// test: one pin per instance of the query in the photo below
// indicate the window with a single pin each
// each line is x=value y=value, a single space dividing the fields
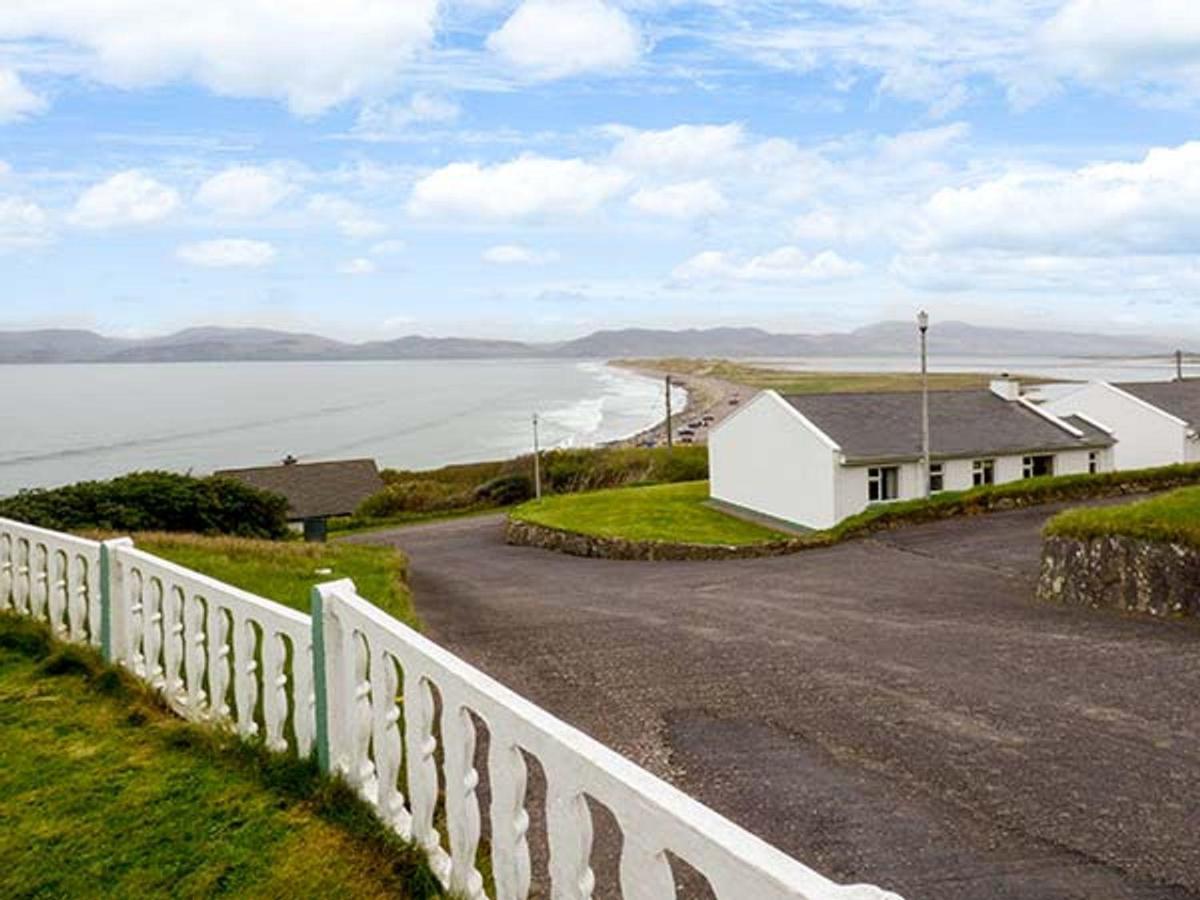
x=937 y=478
x=983 y=471
x=1093 y=462
x=1037 y=466
x=883 y=483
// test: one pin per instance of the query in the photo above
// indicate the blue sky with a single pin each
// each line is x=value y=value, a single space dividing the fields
x=541 y=168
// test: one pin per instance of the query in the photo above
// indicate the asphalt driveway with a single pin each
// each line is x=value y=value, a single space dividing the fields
x=895 y=710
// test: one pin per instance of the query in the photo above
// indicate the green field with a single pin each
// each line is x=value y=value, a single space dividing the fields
x=801 y=382
x=286 y=571
x=666 y=512
x=103 y=793
x=1173 y=517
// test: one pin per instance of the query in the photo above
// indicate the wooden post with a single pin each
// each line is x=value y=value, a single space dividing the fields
x=670 y=433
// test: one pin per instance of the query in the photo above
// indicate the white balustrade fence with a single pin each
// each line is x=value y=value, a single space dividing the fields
x=398 y=717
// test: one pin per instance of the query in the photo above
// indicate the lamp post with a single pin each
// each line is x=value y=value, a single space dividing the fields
x=537 y=461
x=923 y=325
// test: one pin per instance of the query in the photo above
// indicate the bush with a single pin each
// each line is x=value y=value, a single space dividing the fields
x=505 y=490
x=414 y=497
x=154 y=501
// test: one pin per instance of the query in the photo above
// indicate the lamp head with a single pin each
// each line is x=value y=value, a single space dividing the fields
x=923 y=320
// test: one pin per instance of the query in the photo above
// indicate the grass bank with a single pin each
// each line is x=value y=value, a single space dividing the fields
x=677 y=514
x=104 y=793
x=671 y=512
x=1173 y=517
x=802 y=382
x=286 y=571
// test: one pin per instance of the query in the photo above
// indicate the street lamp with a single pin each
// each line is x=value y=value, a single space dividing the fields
x=923 y=325
x=537 y=461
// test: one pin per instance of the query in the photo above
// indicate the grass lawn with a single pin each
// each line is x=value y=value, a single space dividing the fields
x=801 y=382
x=1171 y=517
x=666 y=512
x=286 y=571
x=103 y=793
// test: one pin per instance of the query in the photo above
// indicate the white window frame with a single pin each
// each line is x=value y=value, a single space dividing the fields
x=1027 y=465
x=878 y=481
x=983 y=472
x=937 y=470
x=1093 y=462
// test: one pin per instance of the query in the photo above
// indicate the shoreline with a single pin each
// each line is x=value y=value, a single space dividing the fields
x=704 y=396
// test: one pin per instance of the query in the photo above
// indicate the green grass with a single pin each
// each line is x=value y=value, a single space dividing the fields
x=802 y=382
x=667 y=512
x=1173 y=517
x=286 y=571
x=677 y=513
x=104 y=793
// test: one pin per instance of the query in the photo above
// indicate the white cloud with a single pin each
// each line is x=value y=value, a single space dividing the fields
x=785 y=264
x=227 y=253
x=516 y=254
x=1113 y=41
x=244 y=191
x=1148 y=206
x=557 y=38
x=359 y=266
x=22 y=223
x=349 y=218
x=127 y=198
x=383 y=121
x=682 y=148
x=310 y=53
x=685 y=200
x=16 y=100
x=908 y=146
x=529 y=186
x=388 y=248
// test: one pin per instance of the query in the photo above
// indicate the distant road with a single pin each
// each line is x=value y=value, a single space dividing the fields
x=894 y=710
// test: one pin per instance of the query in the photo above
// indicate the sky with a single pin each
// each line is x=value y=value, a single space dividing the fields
x=543 y=168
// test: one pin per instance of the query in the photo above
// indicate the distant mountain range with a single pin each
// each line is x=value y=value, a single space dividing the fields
x=211 y=344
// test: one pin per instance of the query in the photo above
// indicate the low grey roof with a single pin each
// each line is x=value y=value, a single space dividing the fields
x=887 y=426
x=1179 y=398
x=315 y=490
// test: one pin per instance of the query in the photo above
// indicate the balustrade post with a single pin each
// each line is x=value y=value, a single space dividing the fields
x=114 y=629
x=333 y=677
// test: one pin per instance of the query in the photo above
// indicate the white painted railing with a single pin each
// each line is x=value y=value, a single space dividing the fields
x=398 y=717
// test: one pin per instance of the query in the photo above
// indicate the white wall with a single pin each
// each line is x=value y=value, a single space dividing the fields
x=1145 y=435
x=765 y=458
x=958 y=476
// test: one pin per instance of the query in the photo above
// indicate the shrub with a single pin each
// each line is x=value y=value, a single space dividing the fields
x=414 y=496
x=505 y=490
x=154 y=501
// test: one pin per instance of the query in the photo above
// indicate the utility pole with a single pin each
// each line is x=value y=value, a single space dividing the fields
x=537 y=461
x=1179 y=365
x=923 y=325
x=670 y=435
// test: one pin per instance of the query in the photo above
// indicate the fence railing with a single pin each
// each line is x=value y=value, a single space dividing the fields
x=398 y=717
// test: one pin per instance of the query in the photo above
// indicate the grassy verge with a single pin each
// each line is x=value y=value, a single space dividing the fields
x=669 y=512
x=675 y=513
x=286 y=571
x=344 y=526
x=104 y=793
x=1173 y=517
x=802 y=382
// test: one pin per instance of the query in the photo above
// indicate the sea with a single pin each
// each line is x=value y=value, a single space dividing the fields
x=66 y=423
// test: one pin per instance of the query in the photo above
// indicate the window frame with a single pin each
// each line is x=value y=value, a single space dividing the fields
x=937 y=471
x=983 y=472
x=881 y=479
x=1093 y=462
x=1029 y=465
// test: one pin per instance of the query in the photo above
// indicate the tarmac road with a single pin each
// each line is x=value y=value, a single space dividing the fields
x=895 y=710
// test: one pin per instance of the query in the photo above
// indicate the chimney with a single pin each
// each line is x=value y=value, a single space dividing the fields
x=1006 y=388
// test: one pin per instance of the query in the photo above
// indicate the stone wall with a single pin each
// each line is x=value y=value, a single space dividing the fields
x=1114 y=572
x=526 y=534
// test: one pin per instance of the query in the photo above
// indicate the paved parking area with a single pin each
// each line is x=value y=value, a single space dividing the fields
x=895 y=710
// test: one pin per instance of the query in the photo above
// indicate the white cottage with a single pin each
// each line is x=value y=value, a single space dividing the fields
x=815 y=459
x=1155 y=421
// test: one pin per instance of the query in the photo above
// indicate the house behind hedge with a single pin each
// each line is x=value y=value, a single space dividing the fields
x=315 y=491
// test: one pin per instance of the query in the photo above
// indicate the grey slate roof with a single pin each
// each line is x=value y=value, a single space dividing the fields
x=1179 y=398
x=887 y=426
x=315 y=490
